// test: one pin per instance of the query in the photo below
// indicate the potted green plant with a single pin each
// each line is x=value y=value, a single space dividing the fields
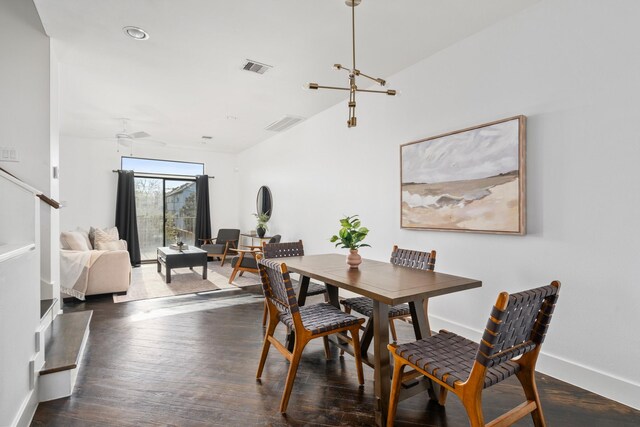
x=261 y=226
x=350 y=236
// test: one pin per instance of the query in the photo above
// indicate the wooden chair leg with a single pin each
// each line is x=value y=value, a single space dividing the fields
x=528 y=381
x=473 y=405
x=398 y=368
x=327 y=349
x=273 y=322
x=346 y=310
x=442 y=398
x=392 y=326
x=241 y=273
x=265 y=312
x=233 y=274
x=355 y=338
x=291 y=375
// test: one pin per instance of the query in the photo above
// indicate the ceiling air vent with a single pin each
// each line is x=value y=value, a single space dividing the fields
x=256 y=67
x=284 y=123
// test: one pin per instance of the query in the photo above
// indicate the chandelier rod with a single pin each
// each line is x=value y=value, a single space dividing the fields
x=353 y=32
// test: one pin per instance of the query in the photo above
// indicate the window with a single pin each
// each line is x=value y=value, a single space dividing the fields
x=165 y=202
x=161 y=167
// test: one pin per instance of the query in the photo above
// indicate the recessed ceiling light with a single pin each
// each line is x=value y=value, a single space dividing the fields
x=136 y=33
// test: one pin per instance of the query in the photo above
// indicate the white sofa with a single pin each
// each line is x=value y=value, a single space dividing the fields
x=107 y=271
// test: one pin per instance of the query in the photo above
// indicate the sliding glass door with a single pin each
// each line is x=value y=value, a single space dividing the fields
x=150 y=213
x=180 y=211
x=166 y=211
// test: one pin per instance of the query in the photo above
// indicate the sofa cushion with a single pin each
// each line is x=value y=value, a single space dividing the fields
x=112 y=245
x=73 y=240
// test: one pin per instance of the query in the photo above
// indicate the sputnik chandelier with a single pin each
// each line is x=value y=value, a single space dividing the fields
x=353 y=72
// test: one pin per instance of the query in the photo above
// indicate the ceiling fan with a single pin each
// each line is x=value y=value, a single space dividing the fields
x=126 y=139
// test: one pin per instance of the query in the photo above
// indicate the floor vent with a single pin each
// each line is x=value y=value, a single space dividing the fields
x=256 y=67
x=284 y=123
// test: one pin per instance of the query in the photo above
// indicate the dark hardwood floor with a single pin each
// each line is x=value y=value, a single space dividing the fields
x=191 y=361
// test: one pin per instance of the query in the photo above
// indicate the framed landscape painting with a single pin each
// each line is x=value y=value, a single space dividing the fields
x=470 y=180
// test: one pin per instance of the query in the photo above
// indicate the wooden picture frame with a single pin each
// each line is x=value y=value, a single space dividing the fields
x=470 y=180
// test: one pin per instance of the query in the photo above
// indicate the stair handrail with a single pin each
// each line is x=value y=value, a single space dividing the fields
x=39 y=194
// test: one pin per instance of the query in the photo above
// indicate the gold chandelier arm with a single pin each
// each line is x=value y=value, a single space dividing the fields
x=381 y=82
x=389 y=92
x=342 y=67
x=317 y=86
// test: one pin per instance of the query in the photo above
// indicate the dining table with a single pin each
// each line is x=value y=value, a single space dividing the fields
x=387 y=285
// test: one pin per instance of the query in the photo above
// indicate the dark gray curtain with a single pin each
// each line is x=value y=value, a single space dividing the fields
x=203 y=215
x=126 y=220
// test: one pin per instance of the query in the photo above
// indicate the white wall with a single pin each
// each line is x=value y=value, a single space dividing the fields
x=24 y=125
x=50 y=275
x=88 y=185
x=572 y=67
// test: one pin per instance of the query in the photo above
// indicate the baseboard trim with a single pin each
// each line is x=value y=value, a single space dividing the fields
x=27 y=410
x=607 y=385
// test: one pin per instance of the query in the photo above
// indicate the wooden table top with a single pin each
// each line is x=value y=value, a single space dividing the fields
x=382 y=281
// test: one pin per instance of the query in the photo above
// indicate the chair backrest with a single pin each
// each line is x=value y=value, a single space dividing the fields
x=226 y=234
x=517 y=325
x=275 y=239
x=277 y=286
x=283 y=250
x=413 y=259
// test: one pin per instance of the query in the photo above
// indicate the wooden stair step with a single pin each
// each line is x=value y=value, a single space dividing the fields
x=64 y=341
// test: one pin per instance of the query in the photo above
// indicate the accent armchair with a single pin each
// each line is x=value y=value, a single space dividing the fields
x=246 y=259
x=219 y=247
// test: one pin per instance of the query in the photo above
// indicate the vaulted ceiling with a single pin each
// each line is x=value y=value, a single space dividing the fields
x=187 y=81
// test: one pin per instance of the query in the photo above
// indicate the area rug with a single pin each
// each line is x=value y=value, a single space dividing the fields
x=147 y=283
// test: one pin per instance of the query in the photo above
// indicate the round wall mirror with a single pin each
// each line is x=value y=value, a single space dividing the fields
x=264 y=203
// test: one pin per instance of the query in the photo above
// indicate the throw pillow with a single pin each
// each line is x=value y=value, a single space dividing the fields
x=113 y=232
x=73 y=240
x=85 y=235
x=108 y=235
x=114 y=245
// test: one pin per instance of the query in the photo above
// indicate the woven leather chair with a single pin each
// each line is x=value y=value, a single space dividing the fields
x=309 y=322
x=402 y=257
x=287 y=249
x=246 y=258
x=219 y=246
x=516 y=327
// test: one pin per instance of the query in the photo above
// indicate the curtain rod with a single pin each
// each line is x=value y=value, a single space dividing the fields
x=159 y=175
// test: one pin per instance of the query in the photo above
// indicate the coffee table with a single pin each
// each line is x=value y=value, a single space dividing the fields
x=172 y=258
